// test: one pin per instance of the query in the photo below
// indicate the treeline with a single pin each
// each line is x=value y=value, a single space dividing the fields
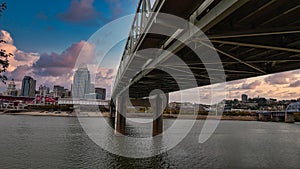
x=201 y=112
x=297 y=117
x=66 y=108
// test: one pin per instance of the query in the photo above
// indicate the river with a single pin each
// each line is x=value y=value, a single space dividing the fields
x=60 y=142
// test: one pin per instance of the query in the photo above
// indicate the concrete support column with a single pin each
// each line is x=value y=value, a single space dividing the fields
x=158 y=116
x=112 y=109
x=167 y=100
x=120 y=122
x=289 y=117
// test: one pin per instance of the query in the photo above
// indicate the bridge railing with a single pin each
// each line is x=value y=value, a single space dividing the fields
x=141 y=19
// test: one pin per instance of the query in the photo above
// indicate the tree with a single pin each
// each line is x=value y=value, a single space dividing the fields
x=4 y=63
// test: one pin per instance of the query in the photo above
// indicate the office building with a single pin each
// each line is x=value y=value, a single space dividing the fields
x=43 y=90
x=81 y=82
x=28 y=87
x=244 y=98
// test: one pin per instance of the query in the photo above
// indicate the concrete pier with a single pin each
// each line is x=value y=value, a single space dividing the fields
x=157 y=116
x=264 y=116
x=112 y=109
x=276 y=116
x=120 y=122
x=289 y=117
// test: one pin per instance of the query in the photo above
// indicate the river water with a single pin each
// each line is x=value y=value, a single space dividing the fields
x=60 y=142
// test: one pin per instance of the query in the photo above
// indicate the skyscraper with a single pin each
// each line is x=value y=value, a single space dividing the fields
x=81 y=82
x=28 y=86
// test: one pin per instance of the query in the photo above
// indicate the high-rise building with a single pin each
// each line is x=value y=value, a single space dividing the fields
x=100 y=93
x=92 y=88
x=11 y=89
x=81 y=82
x=28 y=86
x=58 y=91
x=43 y=90
x=244 y=98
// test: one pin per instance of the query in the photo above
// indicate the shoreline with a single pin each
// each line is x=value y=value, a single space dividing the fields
x=136 y=115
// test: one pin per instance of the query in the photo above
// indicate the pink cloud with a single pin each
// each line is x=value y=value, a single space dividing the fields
x=80 y=11
x=8 y=45
x=50 y=69
x=26 y=57
x=295 y=84
x=104 y=78
x=281 y=78
x=20 y=72
x=19 y=57
x=251 y=85
x=57 y=64
x=4 y=35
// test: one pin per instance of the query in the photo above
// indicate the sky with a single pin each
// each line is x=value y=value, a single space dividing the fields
x=46 y=37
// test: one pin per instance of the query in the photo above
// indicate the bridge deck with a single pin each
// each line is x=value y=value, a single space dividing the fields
x=251 y=37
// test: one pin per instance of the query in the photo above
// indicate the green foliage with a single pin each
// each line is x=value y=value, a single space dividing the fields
x=203 y=113
x=237 y=113
x=2 y=8
x=297 y=117
x=4 y=63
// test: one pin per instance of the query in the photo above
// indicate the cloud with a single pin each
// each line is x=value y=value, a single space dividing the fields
x=295 y=84
x=293 y=94
x=235 y=82
x=251 y=85
x=50 y=69
x=26 y=57
x=19 y=57
x=8 y=46
x=104 y=78
x=80 y=11
x=58 y=64
x=4 y=35
x=281 y=78
x=19 y=73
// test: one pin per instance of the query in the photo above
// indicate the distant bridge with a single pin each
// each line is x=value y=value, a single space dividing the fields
x=276 y=116
x=74 y=101
x=252 y=38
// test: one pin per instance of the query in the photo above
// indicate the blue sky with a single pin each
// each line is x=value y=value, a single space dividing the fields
x=39 y=25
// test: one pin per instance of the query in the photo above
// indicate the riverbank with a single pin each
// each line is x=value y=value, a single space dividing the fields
x=59 y=114
x=133 y=115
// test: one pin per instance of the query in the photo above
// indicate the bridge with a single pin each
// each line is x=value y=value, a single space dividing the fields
x=275 y=116
x=77 y=101
x=251 y=38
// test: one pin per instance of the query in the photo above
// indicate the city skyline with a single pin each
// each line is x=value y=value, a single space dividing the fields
x=149 y=84
x=39 y=54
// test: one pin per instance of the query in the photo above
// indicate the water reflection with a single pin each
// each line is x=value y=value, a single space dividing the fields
x=49 y=142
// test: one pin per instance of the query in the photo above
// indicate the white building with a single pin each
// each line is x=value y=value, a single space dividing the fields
x=11 y=89
x=81 y=82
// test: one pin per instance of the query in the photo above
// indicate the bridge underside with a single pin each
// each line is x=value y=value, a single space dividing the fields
x=253 y=38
